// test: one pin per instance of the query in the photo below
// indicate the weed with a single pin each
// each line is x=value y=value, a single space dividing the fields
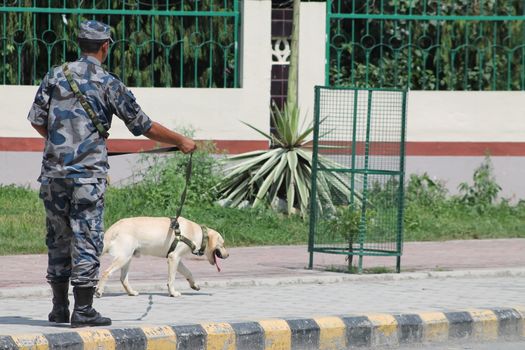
x=484 y=191
x=354 y=269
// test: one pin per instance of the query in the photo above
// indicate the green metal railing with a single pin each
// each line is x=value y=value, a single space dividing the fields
x=426 y=44
x=165 y=43
x=363 y=131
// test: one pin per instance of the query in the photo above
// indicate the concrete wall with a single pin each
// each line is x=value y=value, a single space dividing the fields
x=475 y=116
x=311 y=54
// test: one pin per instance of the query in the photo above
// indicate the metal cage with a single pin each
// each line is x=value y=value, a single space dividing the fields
x=357 y=191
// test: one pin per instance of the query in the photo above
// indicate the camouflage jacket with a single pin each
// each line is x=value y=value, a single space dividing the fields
x=74 y=148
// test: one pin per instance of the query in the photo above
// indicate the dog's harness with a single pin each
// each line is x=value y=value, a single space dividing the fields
x=180 y=238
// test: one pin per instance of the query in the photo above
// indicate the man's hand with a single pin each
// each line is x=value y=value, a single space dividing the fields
x=162 y=134
x=187 y=145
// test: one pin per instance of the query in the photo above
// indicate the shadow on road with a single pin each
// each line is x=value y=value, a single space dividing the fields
x=30 y=322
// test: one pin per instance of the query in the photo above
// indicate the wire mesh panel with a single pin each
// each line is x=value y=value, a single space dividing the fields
x=358 y=172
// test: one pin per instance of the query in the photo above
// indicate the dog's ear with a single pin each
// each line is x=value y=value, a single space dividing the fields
x=213 y=239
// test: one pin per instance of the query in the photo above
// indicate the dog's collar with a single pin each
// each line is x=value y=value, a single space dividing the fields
x=204 y=240
x=179 y=237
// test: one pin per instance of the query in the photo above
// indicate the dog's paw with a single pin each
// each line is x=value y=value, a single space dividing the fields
x=133 y=293
x=193 y=285
x=175 y=294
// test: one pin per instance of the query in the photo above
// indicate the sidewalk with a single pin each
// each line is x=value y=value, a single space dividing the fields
x=258 y=283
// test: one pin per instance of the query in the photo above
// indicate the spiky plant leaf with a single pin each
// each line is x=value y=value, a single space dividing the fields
x=268 y=136
x=284 y=171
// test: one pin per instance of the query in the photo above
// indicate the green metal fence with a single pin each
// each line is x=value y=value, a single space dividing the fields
x=363 y=131
x=166 y=43
x=426 y=44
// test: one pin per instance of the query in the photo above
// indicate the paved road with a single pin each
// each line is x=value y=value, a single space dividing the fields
x=289 y=262
x=271 y=282
x=248 y=303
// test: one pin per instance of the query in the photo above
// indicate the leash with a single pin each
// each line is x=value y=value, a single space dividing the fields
x=174 y=225
x=183 y=195
x=155 y=150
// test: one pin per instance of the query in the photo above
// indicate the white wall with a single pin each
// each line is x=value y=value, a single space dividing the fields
x=473 y=116
x=311 y=54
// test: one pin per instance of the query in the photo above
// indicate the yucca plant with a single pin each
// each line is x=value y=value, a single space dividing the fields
x=283 y=172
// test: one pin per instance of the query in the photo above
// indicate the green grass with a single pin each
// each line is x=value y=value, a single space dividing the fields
x=22 y=222
x=451 y=220
x=240 y=227
x=430 y=213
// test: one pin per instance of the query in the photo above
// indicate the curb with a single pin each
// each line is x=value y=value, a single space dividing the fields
x=338 y=333
x=324 y=278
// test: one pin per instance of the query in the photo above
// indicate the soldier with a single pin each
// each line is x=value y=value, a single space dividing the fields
x=72 y=110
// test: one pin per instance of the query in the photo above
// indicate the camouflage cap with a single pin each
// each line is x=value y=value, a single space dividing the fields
x=94 y=30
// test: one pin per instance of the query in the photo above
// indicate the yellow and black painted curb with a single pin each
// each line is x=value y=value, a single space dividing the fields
x=341 y=332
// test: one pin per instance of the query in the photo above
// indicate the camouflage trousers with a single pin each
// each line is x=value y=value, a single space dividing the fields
x=75 y=228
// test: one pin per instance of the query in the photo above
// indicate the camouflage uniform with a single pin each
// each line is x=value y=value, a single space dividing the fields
x=75 y=228
x=75 y=164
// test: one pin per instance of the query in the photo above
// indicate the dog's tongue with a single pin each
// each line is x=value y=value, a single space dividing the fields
x=216 y=263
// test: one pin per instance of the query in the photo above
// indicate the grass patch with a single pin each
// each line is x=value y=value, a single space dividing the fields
x=430 y=214
x=240 y=227
x=451 y=220
x=22 y=222
x=355 y=270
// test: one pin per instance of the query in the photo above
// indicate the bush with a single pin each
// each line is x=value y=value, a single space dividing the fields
x=484 y=191
x=430 y=214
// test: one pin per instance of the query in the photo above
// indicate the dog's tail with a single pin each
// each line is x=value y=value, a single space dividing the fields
x=109 y=236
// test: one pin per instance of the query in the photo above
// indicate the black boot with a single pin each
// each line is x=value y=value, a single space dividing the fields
x=60 y=312
x=84 y=315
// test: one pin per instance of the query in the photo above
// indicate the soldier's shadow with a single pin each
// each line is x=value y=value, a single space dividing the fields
x=21 y=320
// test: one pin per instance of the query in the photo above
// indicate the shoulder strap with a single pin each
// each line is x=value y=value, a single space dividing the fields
x=85 y=104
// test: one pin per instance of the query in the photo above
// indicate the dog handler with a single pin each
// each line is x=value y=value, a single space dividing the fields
x=75 y=167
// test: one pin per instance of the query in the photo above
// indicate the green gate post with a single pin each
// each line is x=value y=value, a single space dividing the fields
x=313 y=201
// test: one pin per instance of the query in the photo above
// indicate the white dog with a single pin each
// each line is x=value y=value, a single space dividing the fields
x=153 y=236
